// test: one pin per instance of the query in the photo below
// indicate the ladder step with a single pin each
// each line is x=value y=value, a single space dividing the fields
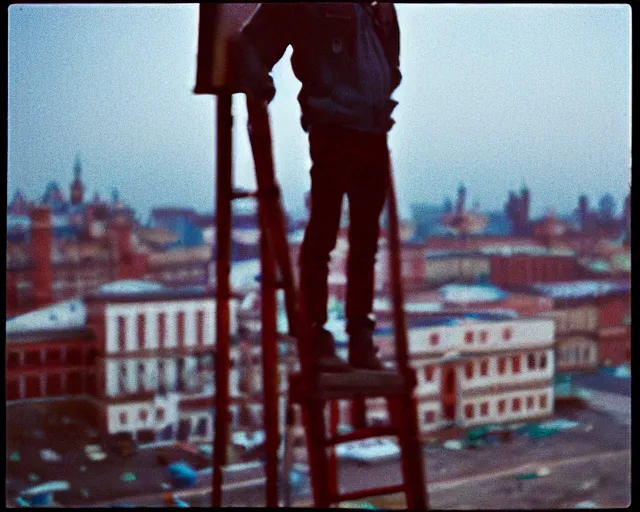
x=278 y=284
x=272 y=192
x=362 y=433
x=347 y=385
x=367 y=493
x=242 y=193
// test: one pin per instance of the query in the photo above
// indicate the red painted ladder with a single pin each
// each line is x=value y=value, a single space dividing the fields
x=310 y=390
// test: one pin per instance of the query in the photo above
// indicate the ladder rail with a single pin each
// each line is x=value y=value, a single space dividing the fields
x=224 y=122
x=268 y=197
x=259 y=134
x=397 y=293
x=406 y=415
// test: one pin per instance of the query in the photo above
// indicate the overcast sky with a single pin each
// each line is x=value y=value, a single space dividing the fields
x=492 y=96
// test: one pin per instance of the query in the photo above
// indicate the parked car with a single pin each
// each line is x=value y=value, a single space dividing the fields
x=95 y=452
x=50 y=455
x=122 y=444
x=368 y=451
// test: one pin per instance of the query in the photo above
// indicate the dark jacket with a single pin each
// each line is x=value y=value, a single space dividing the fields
x=347 y=73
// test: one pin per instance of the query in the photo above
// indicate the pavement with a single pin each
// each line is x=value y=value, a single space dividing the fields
x=35 y=426
x=588 y=462
x=604 y=381
x=597 y=450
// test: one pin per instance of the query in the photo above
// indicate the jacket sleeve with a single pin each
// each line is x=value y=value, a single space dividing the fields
x=396 y=75
x=259 y=46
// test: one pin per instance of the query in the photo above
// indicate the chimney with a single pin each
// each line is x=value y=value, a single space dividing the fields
x=120 y=233
x=41 y=246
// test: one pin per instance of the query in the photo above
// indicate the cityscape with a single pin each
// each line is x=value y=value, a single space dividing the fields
x=510 y=151
x=110 y=334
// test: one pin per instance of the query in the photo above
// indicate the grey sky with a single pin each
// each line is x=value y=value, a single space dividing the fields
x=492 y=95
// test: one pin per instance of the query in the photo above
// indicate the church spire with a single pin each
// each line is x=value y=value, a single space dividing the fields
x=77 y=168
x=77 y=188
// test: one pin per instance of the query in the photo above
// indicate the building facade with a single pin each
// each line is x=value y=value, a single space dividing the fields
x=593 y=319
x=142 y=354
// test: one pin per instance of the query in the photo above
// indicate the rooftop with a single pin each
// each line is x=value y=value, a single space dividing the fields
x=464 y=294
x=68 y=315
x=583 y=289
x=453 y=319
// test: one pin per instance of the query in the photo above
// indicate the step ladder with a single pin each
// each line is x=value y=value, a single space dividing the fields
x=312 y=392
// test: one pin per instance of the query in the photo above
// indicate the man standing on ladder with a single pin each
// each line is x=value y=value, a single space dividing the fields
x=347 y=57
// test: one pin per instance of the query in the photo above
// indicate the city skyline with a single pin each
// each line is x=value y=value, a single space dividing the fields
x=536 y=94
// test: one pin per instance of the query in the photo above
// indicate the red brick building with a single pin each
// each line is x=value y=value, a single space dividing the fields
x=50 y=363
x=526 y=269
x=599 y=310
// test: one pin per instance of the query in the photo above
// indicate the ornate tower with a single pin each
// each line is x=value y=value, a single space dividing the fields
x=77 y=188
x=525 y=197
x=41 y=246
x=462 y=194
x=583 y=211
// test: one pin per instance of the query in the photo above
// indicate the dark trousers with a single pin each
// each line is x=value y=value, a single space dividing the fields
x=356 y=164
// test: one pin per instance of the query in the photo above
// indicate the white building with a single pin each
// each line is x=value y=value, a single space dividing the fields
x=152 y=357
x=479 y=369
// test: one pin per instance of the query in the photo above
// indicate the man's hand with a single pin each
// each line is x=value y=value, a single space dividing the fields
x=247 y=73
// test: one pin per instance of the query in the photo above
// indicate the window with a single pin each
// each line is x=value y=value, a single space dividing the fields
x=428 y=373
x=543 y=361
x=515 y=364
x=74 y=356
x=585 y=354
x=162 y=321
x=484 y=409
x=53 y=356
x=543 y=401
x=484 y=336
x=180 y=374
x=13 y=390
x=429 y=417
x=529 y=402
x=200 y=328
x=32 y=358
x=468 y=370
x=32 y=386
x=468 y=337
x=201 y=427
x=122 y=334
x=141 y=342
x=143 y=414
x=484 y=367
x=531 y=362
x=91 y=384
x=434 y=338
x=181 y=327
x=13 y=360
x=502 y=365
x=507 y=334
x=501 y=406
x=142 y=370
x=468 y=411
x=515 y=404
x=159 y=414
x=123 y=418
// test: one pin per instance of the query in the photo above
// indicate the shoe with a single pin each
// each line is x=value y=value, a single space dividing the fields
x=326 y=359
x=362 y=351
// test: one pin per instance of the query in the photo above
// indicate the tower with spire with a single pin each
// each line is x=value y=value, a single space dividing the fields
x=77 y=188
x=462 y=194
